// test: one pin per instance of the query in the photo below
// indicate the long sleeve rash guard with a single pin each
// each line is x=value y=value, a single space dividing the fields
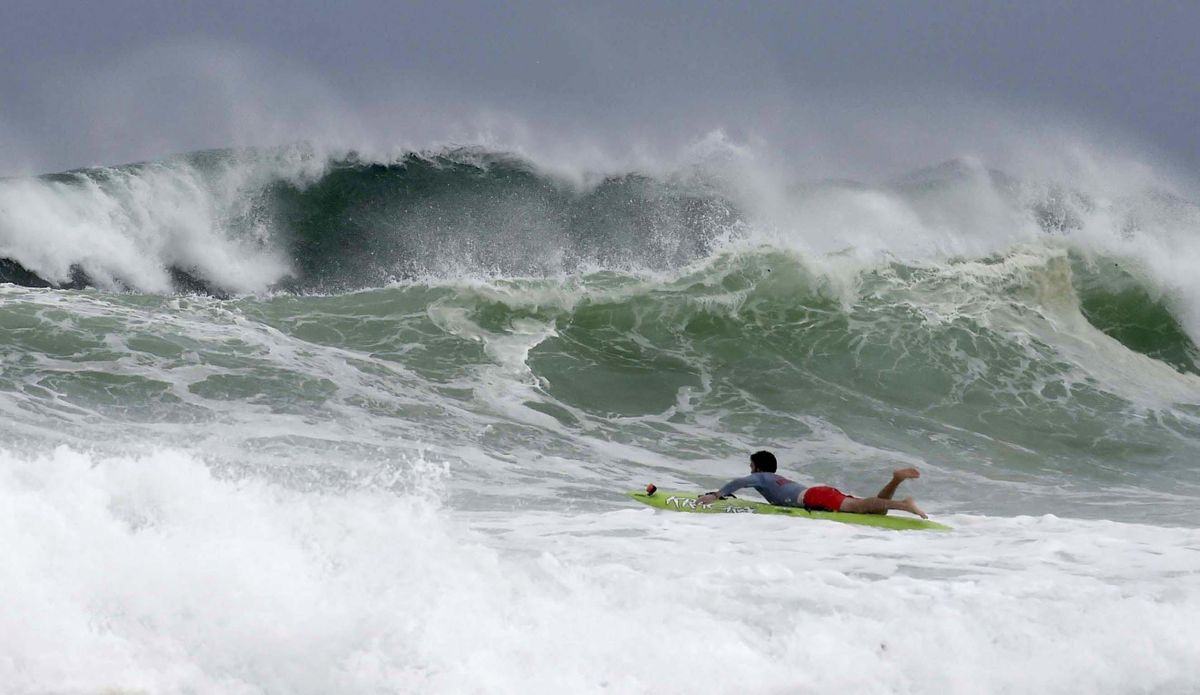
x=774 y=488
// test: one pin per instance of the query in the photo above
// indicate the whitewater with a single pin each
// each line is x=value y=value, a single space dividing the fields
x=286 y=421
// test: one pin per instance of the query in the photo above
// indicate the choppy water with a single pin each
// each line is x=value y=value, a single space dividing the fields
x=274 y=424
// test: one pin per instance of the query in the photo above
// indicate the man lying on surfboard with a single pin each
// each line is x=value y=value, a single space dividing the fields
x=778 y=490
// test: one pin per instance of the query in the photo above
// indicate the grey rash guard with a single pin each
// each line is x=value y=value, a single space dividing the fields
x=776 y=489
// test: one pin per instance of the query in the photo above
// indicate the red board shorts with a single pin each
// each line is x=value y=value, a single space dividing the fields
x=824 y=498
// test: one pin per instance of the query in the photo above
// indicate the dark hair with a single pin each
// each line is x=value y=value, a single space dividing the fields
x=764 y=461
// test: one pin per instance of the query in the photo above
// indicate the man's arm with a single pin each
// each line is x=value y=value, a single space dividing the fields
x=731 y=487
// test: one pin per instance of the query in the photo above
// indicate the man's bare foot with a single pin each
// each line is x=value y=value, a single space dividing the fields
x=907 y=504
x=906 y=473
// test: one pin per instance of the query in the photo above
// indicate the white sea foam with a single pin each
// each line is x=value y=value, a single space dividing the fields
x=149 y=574
x=129 y=226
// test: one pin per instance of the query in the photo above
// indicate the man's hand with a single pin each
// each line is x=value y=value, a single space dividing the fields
x=707 y=498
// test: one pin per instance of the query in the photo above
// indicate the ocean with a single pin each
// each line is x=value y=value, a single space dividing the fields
x=280 y=421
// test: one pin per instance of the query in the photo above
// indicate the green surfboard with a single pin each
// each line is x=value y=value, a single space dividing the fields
x=686 y=502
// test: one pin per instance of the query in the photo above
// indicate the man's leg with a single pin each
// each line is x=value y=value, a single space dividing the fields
x=881 y=505
x=899 y=476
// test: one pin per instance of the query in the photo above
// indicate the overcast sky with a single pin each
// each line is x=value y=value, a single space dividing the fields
x=845 y=86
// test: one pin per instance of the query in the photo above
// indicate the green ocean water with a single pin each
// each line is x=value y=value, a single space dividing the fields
x=1019 y=382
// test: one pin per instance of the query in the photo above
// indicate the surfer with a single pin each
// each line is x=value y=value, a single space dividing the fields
x=778 y=490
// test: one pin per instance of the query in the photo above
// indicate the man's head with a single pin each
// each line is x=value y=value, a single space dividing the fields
x=763 y=462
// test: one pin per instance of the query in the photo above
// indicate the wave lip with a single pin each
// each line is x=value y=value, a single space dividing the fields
x=183 y=223
x=469 y=212
x=245 y=221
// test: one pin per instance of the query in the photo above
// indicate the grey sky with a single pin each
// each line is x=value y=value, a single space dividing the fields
x=849 y=85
